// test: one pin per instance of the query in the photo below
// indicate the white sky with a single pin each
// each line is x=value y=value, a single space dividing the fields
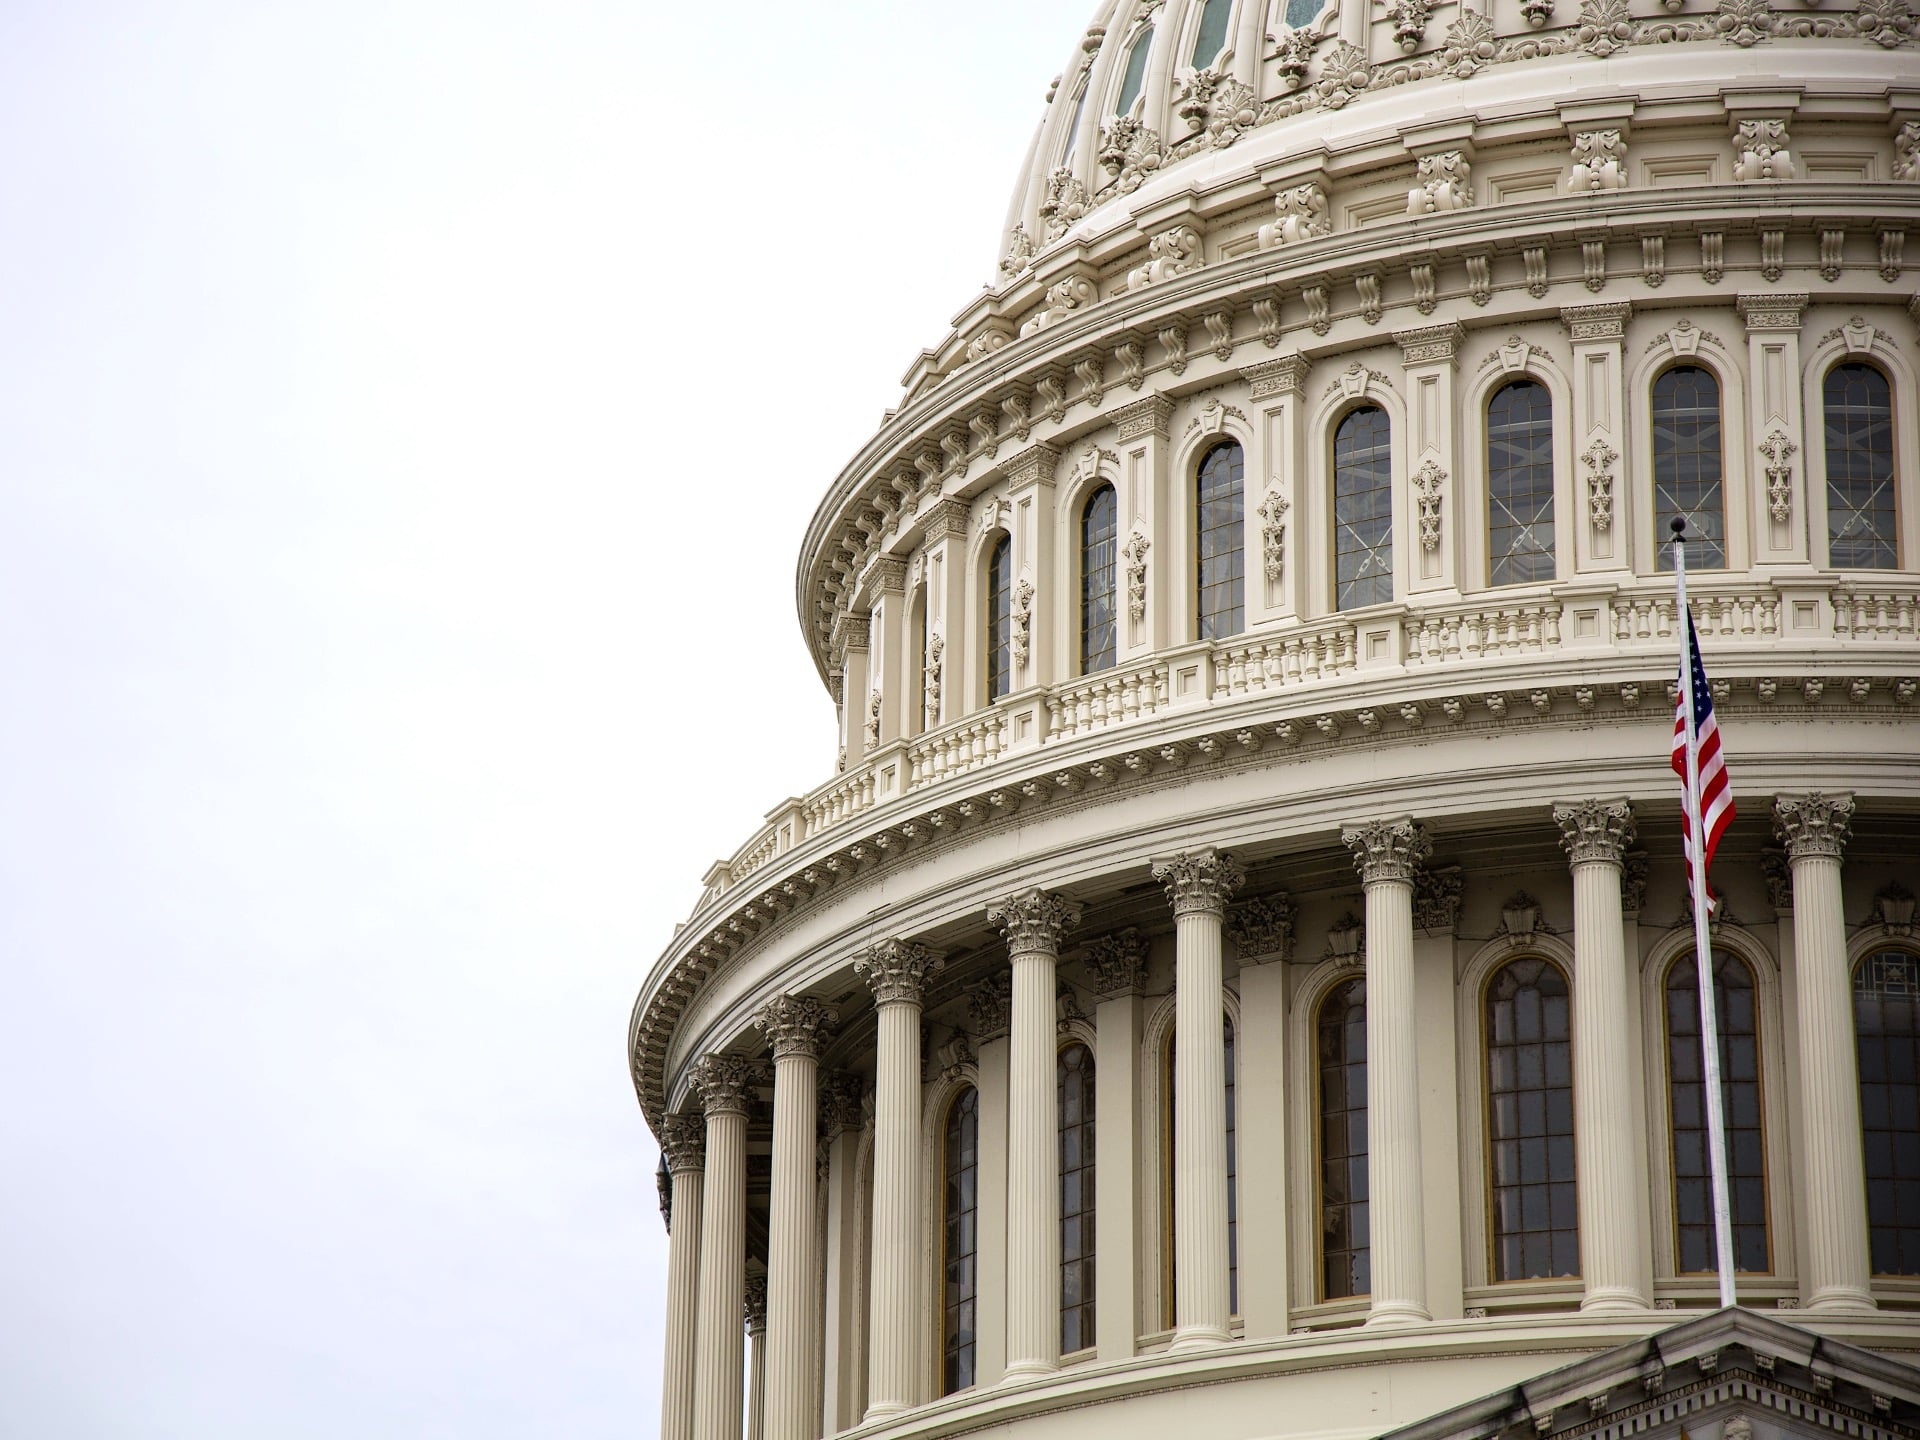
x=408 y=418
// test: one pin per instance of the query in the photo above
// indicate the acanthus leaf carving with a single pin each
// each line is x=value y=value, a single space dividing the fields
x=1598 y=458
x=1129 y=152
x=1777 y=450
x=1273 y=534
x=1170 y=253
x=1409 y=21
x=1598 y=157
x=1064 y=205
x=1261 y=928
x=1429 y=485
x=1022 y=622
x=1301 y=215
x=1136 y=554
x=1761 y=151
x=1444 y=182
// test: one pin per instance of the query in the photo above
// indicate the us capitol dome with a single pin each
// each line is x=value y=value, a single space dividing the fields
x=1237 y=979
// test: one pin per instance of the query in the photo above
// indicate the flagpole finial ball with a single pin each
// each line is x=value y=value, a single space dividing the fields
x=1678 y=525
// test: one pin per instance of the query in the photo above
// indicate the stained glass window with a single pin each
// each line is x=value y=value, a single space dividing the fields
x=1520 y=484
x=1099 y=570
x=1342 y=1055
x=1000 y=618
x=1136 y=74
x=960 y=1251
x=1530 y=1122
x=1221 y=529
x=1075 y=1070
x=1860 y=512
x=1886 y=1022
x=1362 y=509
x=1211 y=38
x=1686 y=466
x=1737 y=1015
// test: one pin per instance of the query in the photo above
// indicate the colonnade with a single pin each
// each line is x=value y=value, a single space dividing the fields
x=706 y=1288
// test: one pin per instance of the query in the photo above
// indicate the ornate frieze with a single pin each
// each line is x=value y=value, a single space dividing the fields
x=725 y=1084
x=1430 y=344
x=1143 y=417
x=1813 y=824
x=795 y=1024
x=897 y=970
x=1117 y=962
x=1387 y=851
x=683 y=1140
x=1605 y=321
x=1199 y=881
x=1261 y=928
x=1767 y=311
x=1595 y=831
x=1033 y=920
x=1276 y=377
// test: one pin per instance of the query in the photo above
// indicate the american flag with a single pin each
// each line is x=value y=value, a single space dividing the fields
x=1716 y=796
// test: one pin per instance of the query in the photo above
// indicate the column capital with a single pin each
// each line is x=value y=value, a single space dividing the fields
x=1436 y=897
x=842 y=1102
x=1118 y=962
x=1261 y=929
x=755 y=1303
x=683 y=1140
x=724 y=1083
x=1387 y=851
x=1034 y=920
x=1813 y=824
x=1199 y=881
x=1595 y=831
x=990 y=1005
x=897 y=970
x=795 y=1024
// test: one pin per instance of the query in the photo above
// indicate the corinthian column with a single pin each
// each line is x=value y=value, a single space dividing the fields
x=1033 y=922
x=724 y=1084
x=1385 y=852
x=756 y=1317
x=683 y=1142
x=1198 y=884
x=1596 y=834
x=1814 y=830
x=897 y=971
x=794 y=1024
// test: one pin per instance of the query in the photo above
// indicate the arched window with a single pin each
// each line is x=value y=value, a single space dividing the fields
x=1362 y=509
x=1075 y=1071
x=1520 y=484
x=1886 y=1022
x=1341 y=1053
x=1099 y=568
x=1303 y=12
x=1073 y=127
x=999 y=618
x=1136 y=73
x=960 y=1240
x=1860 y=511
x=914 y=703
x=1233 y=1174
x=1686 y=466
x=1737 y=1015
x=1211 y=38
x=1535 y=1214
x=1221 y=605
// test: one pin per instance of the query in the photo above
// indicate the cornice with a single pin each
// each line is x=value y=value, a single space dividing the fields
x=1261 y=731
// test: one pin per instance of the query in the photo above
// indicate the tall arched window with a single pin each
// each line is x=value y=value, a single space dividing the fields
x=1535 y=1215
x=1233 y=1173
x=914 y=703
x=1075 y=1071
x=1135 y=77
x=1860 y=509
x=1886 y=1022
x=1363 y=509
x=999 y=618
x=1073 y=127
x=1520 y=484
x=1341 y=1053
x=1737 y=1014
x=960 y=1240
x=1211 y=38
x=1219 y=526
x=1686 y=466
x=1099 y=569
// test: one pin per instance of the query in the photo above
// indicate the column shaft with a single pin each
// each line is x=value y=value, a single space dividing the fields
x=1834 y=1170
x=894 y=1333
x=790 y=1260
x=1200 y=1294
x=756 y=1382
x=683 y=1293
x=719 y=1356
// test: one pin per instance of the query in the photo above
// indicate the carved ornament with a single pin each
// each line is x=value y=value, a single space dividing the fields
x=1386 y=851
x=1595 y=831
x=897 y=970
x=1199 y=881
x=1033 y=921
x=795 y=1025
x=1813 y=824
x=1261 y=929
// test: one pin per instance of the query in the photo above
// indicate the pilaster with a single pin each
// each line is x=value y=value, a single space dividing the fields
x=1779 y=517
x=1433 y=539
x=1261 y=932
x=1605 y=499
x=724 y=1084
x=1274 y=496
x=683 y=1140
x=1118 y=966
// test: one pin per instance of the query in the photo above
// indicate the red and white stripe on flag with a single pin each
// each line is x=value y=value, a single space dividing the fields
x=1716 y=795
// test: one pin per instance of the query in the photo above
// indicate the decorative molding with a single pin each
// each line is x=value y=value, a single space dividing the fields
x=842 y=1102
x=1520 y=919
x=1273 y=534
x=1211 y=418
x=683 y=1140
x=1604 y=321
x=1135 y=551
x=1443 y=181
x=1355 y=380
x=1347 y=940
x=1409 y=19
x=1173 y=339
x=1436 y=898
x=1770 y=312
x=1276 y=377
x=931 y=667
x=1430 y=344
x=990 y=1005
x=724 y=1084
x=1130 y=152
x=1170 y=253
x=1429 y=486
x=753 y=1303
x=1893 y=907
x=1148 y=416
x=1062 y=299
x=1020 y=640
x=1635 y=868
x=1064 y=204
x=1760 y=147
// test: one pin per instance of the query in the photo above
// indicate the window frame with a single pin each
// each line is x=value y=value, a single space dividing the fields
x=1729 y=399
x=949 y=1105
x=1083 y=511
x=1335 y=986
x=1396 y=582
x=1081 y=1036
x=1499 y=386
x=1870 y=943
x=1200 y=455
x=993 y=641
x=1817 y=422
x=1483 y=1063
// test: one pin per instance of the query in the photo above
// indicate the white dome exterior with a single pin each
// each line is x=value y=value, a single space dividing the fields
x=1257 y=603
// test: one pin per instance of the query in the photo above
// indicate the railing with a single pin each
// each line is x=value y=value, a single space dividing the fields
x=1727 y=611
x=1300 y=657
x=1083 y=706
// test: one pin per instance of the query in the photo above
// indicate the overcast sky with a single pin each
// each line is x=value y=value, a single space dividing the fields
x=408 y=418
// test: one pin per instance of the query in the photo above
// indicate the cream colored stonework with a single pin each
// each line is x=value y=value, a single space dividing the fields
x=1406 y=206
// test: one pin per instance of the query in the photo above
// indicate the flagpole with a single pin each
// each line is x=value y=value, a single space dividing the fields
x=1702 y=941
